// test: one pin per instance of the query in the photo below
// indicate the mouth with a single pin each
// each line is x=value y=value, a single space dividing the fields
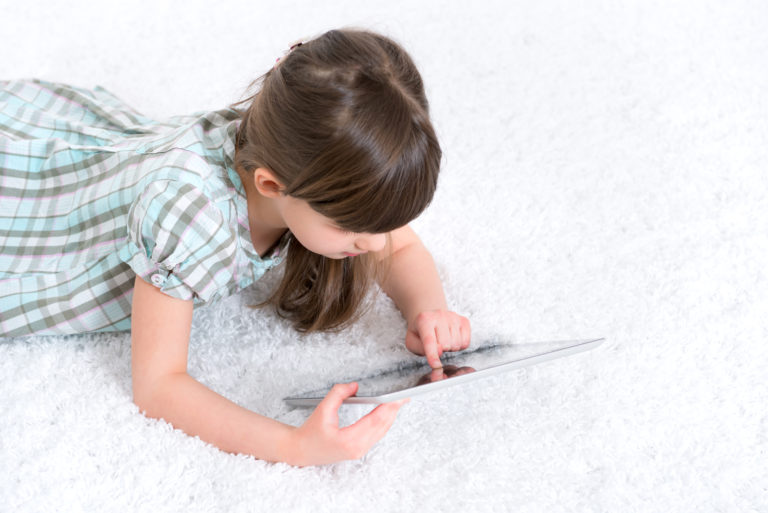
x=352 y=254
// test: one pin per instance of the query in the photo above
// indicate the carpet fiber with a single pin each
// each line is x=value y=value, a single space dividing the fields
x=605 y=174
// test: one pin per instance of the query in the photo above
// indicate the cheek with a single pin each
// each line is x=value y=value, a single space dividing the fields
x=312 y=240
x=313 y=232
x=319 y=240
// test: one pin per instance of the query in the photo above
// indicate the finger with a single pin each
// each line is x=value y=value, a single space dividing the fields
x=413 y=342
x=466 y=333
x=443 y=333
x=373 y=426
x=456 y=335
x=429 y=343
x=333 y=400
x=431 y=349
x=437 y=374
x=456 y=339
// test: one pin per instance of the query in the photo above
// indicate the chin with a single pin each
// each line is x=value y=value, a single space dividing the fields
x=333 y=256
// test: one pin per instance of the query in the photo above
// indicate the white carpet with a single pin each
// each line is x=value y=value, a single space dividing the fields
x=605 y=174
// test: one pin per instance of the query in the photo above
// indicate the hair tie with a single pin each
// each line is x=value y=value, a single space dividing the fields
x=292 y=48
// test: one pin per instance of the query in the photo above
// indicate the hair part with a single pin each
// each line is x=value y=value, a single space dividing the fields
x=343 y=123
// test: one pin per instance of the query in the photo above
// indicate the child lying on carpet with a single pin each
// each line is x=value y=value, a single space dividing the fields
x=111 y=221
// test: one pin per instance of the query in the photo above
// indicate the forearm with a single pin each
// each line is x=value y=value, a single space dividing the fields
x=413 y=282
x=160 y=329
x=162 y=388
x=198 y=411
x=414 y=285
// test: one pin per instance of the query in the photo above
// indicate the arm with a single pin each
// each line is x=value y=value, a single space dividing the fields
x=414 y=285
x=160 y=329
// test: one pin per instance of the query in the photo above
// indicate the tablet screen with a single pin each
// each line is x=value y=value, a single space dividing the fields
x=488 y=359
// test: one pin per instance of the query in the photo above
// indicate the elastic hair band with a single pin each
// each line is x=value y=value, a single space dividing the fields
x=292 y=48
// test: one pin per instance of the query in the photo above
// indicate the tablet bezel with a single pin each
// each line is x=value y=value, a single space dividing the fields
x=571 y=347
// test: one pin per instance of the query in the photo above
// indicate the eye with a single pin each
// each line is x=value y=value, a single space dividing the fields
x=343 y=231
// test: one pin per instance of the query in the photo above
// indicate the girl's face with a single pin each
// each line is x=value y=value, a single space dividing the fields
x=321 y=235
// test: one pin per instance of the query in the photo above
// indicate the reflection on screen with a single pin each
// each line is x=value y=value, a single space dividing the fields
x=454 y=364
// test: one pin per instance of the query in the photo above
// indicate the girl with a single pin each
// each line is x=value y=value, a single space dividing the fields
x=112 y=221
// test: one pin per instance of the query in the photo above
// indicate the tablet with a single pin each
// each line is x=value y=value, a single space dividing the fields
x=414 y=379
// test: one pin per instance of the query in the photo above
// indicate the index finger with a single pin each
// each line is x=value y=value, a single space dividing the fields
x=431 y=349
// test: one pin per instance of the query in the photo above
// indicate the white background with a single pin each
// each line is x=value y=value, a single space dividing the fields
x=604 y=175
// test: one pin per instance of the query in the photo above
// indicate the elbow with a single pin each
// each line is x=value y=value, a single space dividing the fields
x=145 y=396
x=154 y=396
x=144 y=402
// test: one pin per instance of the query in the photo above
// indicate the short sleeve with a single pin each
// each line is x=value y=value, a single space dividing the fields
x=179 y=242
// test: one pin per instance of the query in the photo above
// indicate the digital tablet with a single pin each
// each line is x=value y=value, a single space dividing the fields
x=413 y=379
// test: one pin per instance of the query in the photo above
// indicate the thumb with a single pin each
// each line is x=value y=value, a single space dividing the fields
x=336 y=396
x=413 y=342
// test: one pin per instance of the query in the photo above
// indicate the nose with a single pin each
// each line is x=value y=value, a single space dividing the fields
x=372 y=242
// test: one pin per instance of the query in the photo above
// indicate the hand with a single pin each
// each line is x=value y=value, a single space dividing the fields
x=320 y=440
x=431 y=333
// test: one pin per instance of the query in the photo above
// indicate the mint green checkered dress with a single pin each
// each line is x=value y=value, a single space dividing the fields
x=93 y=194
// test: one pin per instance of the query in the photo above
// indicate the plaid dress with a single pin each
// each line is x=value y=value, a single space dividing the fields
x=93 y=194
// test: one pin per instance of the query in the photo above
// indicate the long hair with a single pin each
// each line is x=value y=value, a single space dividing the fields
x=343 y=122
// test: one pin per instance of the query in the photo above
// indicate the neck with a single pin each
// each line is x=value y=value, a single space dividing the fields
x=265 y=222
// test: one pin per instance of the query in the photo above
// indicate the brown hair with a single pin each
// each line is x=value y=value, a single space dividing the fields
x=342 y=121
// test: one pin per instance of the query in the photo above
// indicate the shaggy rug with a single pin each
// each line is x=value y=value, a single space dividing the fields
x=605 y=174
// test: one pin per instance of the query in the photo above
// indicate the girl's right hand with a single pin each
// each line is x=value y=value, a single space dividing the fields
x=320 y=440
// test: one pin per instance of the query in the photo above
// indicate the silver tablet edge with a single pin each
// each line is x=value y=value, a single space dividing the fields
x=581 y=347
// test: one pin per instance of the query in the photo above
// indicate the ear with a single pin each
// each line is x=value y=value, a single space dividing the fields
x=267 y=183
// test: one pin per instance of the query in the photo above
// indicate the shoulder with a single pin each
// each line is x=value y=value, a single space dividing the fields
x=399 y=239
x=170 y=202
x=180 y=240
x=178 y=217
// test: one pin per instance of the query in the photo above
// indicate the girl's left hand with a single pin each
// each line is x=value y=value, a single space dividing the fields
x=432 y=333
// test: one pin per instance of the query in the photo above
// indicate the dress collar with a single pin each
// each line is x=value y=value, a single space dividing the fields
x=229 y=156
x=241 y=207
